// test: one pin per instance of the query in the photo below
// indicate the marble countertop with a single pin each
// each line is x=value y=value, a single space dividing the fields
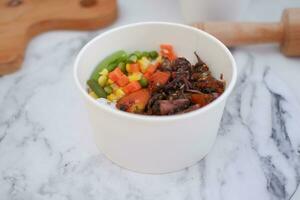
x=46 y=146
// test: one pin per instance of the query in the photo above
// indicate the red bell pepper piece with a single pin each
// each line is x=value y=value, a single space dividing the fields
x=202 y=99
x=158 y=78
x=134 y=102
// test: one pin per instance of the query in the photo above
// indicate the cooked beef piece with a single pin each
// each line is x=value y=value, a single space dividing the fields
x=167 y=107
x=181 y=65
x=210 y=85
x=190 y=87
x=155 y=97
x=200 y=66
x=191 y=108
x=178 y=83
x=199 y=61
x=198 y=76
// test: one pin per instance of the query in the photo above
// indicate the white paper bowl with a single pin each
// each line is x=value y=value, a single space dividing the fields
x=155 y=144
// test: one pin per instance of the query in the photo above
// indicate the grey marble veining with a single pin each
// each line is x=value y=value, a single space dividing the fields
x=45 y=155
x=47 y=151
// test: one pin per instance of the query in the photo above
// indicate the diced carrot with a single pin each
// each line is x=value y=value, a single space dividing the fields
x=158 y=78
x=134 y=102
x=132 y=87
x=150 y=70
x=166 y=50
x=167 y=47
x=171 y=56
x=132 y=68
x=122 y=81
x=118 y=77
x=147 y=75
x=135 y=67
x=201 y=99
x=116 y=74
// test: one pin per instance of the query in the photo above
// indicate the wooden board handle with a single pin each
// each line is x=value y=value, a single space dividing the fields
x=286 y=32
x=21 y=20
x=236 y=34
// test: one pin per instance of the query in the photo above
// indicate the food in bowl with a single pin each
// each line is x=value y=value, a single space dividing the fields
x=154 y=83
x=156 y=144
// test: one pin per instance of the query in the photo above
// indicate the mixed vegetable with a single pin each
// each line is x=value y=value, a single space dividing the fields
x=154 y=83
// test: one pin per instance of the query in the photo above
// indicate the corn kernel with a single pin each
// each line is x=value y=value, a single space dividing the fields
x=112 y=97
x=144 y=60
x=102 y=80
x=93 y=94
x=119 y=93
x=109 y=81
x=128 y=67
x=135 y=76
x=104 y=72
x=114 y=86
x=144 y=63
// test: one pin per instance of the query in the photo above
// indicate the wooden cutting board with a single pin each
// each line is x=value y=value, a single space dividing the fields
x=20 y=20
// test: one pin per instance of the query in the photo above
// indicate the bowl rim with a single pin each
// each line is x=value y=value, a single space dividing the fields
x=139 y=117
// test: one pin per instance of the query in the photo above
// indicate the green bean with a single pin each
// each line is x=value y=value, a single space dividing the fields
x=153 y=54
x=122 y=67
x=108 y=89
x=118 y=55
x=115 y=64
x=132 y=58
x=139 y=54
x=112 y=66
x=145 y=54
x=123 y=58
x=95 y=87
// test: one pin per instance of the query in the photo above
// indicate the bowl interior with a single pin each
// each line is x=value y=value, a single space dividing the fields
x=148 y=36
